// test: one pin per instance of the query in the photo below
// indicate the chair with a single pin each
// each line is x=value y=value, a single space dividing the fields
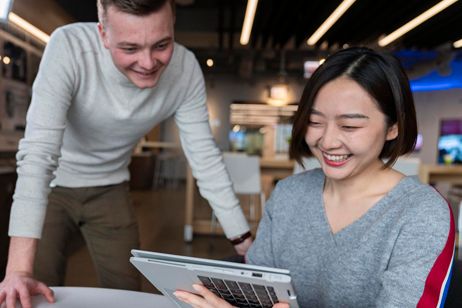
x=170 y=166
x=407 y=165
x=244 y=171
x=308 y=164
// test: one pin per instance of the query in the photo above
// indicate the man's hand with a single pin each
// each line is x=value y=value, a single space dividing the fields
x=242 y=248
x=18 y=282
x=21 y=285
x=206 y=299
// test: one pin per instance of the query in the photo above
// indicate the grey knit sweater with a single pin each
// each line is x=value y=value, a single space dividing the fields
x=86 y=116
x=398 y=254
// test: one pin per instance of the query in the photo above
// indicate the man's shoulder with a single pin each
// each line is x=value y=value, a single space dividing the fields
x=183 y=55
x=78 y=27
x=77 y=33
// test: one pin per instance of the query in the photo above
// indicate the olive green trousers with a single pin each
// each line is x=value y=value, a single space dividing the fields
x=105 y=217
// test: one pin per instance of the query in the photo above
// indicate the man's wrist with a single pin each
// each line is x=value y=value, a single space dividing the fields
x=240 y=239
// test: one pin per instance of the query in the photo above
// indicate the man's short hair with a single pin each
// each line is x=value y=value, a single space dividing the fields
x=134 y=7
x=382 y=76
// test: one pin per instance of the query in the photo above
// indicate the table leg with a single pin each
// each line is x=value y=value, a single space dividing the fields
x=189 y=206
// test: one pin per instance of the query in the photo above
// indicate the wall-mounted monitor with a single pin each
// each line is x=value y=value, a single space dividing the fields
x=450 y=142
x=5 y=8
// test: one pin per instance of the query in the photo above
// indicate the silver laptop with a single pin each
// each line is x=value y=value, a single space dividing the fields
x=242 y=285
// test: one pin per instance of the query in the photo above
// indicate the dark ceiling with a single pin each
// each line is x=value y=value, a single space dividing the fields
x=281 y=28
x=277 y=22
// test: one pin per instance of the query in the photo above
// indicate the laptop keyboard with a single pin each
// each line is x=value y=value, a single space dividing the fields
x=241 y=294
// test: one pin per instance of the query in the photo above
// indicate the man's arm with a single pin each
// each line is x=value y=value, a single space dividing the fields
x=205 y=159
x=37 y=159
x=21 y=255
x=18 y=282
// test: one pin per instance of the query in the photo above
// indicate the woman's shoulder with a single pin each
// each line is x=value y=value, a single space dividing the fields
x=312 y=176
x=421 y=201
x=300 y=184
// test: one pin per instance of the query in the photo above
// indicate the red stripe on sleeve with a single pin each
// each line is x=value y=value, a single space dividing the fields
x=435 y=279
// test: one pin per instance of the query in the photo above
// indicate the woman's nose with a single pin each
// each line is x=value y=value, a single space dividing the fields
x=330 y=138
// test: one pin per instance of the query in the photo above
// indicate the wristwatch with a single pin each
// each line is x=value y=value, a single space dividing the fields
x=241 y=238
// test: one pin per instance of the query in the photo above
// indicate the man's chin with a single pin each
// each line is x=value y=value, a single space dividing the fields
x=145 y=83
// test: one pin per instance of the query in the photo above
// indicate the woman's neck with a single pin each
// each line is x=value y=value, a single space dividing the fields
x=373 y=181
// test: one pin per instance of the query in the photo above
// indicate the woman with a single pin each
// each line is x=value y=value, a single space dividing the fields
x=355 y=233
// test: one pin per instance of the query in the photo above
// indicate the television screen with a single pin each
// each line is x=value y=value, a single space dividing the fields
x=450 y=142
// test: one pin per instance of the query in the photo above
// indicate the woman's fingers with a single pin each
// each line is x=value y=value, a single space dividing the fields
x=203 y=299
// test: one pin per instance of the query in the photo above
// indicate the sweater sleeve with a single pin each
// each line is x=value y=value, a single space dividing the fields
x=261 y=252
x=419 y=267
x=205 y=158
x=39 y=150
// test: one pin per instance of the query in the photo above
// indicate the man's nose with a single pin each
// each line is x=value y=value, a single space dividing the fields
x=147 y=60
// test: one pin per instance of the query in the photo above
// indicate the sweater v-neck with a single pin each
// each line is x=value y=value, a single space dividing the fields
x=350 y=231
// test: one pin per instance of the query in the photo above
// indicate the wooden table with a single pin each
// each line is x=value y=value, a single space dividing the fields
x=271 y=171
x=441 y=173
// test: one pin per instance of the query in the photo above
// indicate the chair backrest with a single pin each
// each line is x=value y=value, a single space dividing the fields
x=407 y=165
x=308 y=164
x=244 y=171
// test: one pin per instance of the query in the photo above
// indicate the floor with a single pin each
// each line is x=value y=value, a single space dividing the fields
x=160 y=215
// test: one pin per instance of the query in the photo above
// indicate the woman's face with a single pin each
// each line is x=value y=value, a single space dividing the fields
x=346 y=130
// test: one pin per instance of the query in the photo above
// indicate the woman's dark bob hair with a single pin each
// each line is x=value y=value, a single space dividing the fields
x=379 y=74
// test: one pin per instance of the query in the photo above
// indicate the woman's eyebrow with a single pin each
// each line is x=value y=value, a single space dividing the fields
x=353 y=116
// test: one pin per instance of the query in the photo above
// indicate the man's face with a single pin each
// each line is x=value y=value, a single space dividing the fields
x=140 y=46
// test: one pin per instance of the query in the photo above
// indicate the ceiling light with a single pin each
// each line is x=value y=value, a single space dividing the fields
x=28 y=27
x=457 y=44
x=278 y=94
x=248 y=21
x=415 y=22
x=330 y=21
x=209 y=62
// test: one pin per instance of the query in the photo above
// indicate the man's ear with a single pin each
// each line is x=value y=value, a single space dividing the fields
x=103 y=35
x=392 y=132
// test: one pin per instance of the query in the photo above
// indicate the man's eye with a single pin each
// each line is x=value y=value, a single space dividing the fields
x=129 y=49
x=162 y=46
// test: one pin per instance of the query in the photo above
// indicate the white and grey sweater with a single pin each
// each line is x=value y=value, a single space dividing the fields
x=86 y=117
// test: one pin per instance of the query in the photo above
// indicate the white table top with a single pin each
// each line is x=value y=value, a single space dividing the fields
x=77 y=297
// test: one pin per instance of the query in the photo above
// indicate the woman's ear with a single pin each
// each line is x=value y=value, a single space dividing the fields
x=392 y=132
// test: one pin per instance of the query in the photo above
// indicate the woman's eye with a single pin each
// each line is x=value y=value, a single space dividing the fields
x=313 y=123
x=347 y=127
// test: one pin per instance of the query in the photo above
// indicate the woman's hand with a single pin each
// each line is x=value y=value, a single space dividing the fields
x=207 y=299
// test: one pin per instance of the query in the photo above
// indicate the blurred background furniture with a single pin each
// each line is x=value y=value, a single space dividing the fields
x=409 y=166
x=270 y=171
x=308 y=164
x=7 y=184
x=244 y=171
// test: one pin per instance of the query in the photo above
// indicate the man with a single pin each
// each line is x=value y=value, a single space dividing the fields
x=99 y=89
